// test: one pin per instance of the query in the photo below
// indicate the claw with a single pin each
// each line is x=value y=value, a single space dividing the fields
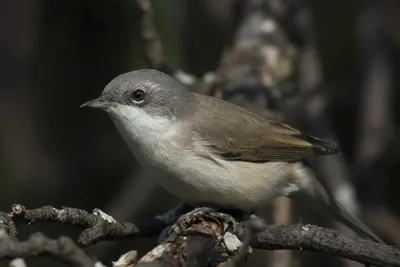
x=198 y=213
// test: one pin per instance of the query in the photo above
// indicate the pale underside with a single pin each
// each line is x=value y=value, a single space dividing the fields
x=187 y=167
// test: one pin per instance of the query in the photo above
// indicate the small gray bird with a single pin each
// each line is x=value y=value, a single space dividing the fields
x=206 y=150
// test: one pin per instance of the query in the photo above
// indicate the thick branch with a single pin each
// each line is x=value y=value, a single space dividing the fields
x=197 y=245
x=315 y=238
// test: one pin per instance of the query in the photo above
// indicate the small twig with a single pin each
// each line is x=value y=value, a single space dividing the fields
x=96 y=228
x=63 y=249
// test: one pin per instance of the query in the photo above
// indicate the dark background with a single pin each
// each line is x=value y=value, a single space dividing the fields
x=55 y=55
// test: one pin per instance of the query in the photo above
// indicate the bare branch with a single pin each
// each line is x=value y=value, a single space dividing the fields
x=63 y=249
x=199 y=243
x=95 y=227
x=315 y=238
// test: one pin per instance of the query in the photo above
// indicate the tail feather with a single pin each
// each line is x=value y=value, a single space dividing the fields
x=354 y=224
x=315 y=194
x=320 y=146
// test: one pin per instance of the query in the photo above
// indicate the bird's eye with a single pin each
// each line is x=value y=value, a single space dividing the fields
x=138 y=95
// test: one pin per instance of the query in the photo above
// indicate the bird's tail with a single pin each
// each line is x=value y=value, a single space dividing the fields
x=315 y=194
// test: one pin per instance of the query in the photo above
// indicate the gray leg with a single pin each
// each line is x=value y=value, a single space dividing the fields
x=203 y=212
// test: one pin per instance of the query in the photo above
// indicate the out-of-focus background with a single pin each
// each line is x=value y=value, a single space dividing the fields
x=55 y=55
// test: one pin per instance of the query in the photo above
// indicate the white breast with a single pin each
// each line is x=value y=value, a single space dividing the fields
x=193 y=173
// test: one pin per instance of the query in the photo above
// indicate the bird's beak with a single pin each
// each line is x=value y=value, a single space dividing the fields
x=96 y=103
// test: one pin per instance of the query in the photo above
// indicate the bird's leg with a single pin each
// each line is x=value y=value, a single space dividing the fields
x=202 y=213
x=233 y=240
x=182 y=216
x=241 y=234
x=230 y=239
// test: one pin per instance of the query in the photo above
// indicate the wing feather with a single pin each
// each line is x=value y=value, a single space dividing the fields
x=249 y=137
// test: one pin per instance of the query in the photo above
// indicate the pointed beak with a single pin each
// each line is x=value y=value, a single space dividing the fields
x=96 y=103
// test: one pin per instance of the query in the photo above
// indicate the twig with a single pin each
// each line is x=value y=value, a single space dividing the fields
x=315 y=238
x=95 y=227
x=63 y=249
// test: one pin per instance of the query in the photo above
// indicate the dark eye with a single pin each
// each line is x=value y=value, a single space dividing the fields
x=138 y=95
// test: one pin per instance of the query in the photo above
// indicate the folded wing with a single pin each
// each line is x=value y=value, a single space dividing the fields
x=245 y=136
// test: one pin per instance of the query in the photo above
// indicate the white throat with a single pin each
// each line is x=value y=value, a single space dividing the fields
x=145 y=134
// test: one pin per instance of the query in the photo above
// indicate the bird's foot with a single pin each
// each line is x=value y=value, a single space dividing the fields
x=205 y=214
x=202 y=214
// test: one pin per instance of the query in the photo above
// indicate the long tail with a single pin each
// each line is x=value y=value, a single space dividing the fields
x=315 y=194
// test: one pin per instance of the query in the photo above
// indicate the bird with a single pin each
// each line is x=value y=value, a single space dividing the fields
x=206 y=150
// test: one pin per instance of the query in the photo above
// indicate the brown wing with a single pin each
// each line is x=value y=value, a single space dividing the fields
x=242 y=135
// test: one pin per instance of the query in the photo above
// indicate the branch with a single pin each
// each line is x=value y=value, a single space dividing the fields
x=315 y=238
x=96 y=227
x=63 y=249
x=198 y=243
